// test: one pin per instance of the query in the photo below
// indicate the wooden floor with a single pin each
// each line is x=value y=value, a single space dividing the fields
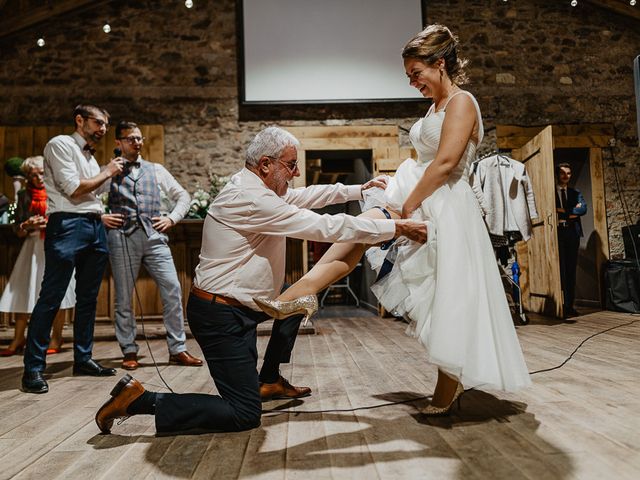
x=581 y=421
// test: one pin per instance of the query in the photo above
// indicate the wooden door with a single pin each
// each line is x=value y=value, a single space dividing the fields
x=540 y=267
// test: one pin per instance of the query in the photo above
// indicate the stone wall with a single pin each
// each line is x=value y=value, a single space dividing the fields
x=533 y=62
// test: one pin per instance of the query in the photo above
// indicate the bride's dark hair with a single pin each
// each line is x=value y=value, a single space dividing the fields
x=436 y=42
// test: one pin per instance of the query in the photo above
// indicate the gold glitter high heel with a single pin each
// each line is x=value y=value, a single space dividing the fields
x=432 y=411
x=280 y=310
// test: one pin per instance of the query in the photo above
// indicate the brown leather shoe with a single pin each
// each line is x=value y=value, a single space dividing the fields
x=130 y=361
x=282 y=389
x=185 y=359
x=122 y=395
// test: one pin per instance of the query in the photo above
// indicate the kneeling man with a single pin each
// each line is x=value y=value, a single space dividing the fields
x=243 y=256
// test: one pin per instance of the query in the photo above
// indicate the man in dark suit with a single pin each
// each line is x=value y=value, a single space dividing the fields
x=570 y=206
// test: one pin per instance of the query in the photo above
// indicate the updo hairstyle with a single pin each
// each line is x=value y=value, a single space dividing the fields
x=436 y=42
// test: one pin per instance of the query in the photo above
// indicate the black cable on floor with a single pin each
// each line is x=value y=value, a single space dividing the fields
x=274 y=412
x=580 y=345
x=125 y=250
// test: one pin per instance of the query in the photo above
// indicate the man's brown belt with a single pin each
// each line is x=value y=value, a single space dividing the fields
x=212 y=297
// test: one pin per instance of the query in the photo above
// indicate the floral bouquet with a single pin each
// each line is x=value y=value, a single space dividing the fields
x=201 y=199
x=199 y=204
x=217 y=183
x=11 y=213
x=104 y=199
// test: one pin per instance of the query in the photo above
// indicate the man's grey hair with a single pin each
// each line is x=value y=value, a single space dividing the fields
x=31 y=163
x=270 y=142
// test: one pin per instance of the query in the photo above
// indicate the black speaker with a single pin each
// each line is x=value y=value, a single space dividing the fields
x=636 y=82
x=631 y=239
x=622 y=280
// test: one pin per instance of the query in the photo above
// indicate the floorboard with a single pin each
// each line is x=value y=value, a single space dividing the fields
x=369 y=382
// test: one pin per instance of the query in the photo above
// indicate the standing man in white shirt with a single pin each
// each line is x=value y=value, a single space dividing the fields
x=243 y=256
x=136 y=233
x=75 y=238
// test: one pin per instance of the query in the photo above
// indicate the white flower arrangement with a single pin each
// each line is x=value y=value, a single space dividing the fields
x=199 y=204
x=104 y=199
x=201 y=199
x=217 y=183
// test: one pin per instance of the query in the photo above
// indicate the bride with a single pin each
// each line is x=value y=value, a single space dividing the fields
x=449 y=288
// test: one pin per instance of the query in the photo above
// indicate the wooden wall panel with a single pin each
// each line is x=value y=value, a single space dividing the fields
x=41 y=136
x=30 y=140
x=153 y=149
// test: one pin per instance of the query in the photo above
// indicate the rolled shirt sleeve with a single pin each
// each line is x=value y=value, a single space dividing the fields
x=65 y=173
x=318 y=196
x=175 y=192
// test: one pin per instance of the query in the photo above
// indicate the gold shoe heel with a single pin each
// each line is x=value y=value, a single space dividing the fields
x=307 y=305
x=308 y=314
x=432 y=411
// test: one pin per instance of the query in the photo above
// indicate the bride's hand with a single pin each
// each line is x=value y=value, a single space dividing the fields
x=407 y=210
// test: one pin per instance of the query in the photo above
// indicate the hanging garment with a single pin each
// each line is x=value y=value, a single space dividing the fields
x=505 y=195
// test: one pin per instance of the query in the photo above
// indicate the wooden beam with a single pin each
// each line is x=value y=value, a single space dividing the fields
x=11 y=24
x=341 y=131
x=621 y=7
x=564 y=136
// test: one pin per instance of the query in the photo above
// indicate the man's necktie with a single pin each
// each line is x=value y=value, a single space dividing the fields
x=563 y=194
x=89 y=148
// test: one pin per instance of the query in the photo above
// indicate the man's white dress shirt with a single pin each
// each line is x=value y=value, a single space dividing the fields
x=65 y=164
x=244 y=235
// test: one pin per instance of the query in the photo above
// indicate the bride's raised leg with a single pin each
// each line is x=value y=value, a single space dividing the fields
x=336 y=263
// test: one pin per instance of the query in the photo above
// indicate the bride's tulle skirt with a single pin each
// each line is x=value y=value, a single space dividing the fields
x=450 y=288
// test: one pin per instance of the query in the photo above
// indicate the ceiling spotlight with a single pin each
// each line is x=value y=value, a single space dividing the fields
x=188 y=3
x=632 y=3
x=40 y=42
x=574 y=3
x=106 y=28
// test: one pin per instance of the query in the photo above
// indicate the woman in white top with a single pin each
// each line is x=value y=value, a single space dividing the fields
x=23 y=288
x=449 y=288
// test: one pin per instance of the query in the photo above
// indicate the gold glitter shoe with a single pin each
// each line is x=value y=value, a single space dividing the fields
x=281 y=310
x=432 y=411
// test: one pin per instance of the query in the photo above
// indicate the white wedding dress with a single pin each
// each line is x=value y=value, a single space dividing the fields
x=23 y=289
x=450 y=288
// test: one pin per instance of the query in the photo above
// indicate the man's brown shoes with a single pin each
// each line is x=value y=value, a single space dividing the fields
x=185 y=359
x=282 y=389
x=130 y=361
x=123 y=394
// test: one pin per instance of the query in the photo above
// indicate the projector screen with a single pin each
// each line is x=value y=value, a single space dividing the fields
x=325 y=51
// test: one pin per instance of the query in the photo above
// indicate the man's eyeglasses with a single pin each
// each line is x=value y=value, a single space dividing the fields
x=291 y=166
x=99 y=122
x=133 y=139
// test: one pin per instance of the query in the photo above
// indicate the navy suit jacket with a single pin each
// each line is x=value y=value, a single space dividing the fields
x=574 y=197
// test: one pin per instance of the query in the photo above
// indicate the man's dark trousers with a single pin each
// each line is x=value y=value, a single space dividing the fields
x=568 y=246
x=227 y=338
x=77 y=241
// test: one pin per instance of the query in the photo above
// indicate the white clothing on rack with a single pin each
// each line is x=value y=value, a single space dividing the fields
x=505 y=194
